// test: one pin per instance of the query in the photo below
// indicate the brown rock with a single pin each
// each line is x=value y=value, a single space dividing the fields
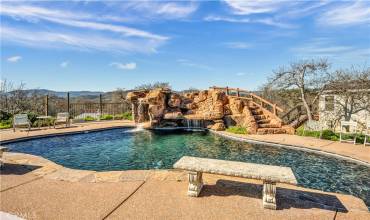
x=156 y=97
x=201 y=97
x=156 y=111
x=236 y=105
x=134 y=96
x=219 y=96
x=173 y=115
x=218 y=126
x=175 y=100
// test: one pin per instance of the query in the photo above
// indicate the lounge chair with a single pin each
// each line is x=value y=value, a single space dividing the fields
x=367 y=134
x=352 y=129
x=62 y=118
x=21 y=120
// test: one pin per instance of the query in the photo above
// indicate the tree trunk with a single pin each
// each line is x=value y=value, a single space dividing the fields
x=305 y=104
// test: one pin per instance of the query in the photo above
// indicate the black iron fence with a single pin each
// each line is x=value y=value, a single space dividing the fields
x=52 y=105
x=81 y=110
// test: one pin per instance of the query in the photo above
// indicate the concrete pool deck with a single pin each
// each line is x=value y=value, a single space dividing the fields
x=32 y=187
x=35 y=188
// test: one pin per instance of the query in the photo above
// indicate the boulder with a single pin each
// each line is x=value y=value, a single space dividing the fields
x=173 y=114
x=175 y=100
x=202 y=96
x=219 y=97
x=134 y=96
x=156 y=111
x=219 y=126
x=156 y=97
x=236 y=105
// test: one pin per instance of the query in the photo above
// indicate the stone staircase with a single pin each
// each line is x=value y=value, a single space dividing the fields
x=266 y=124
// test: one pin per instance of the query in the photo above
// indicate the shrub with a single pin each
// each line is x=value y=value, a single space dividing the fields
x=329 y=135
x=5 y=124
x=32 y=117
x=89 y=118
x=237 y=130
x=118 y=117
x=106 y=117
x=4 y=116
x=127 y=116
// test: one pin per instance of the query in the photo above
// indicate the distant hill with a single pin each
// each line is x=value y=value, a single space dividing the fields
x=72 y=94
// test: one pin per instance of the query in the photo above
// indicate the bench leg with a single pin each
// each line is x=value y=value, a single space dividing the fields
x=195 y=183
x=269 y=195
x=1 y=160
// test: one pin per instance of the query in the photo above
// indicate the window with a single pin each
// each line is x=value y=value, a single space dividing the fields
x=329 y=103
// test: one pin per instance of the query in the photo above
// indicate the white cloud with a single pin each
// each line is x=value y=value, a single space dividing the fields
x=124 y=66
x=80 y=41
x=80 y=31
x=14 y=59
x=324 y=47
x=255 y=7
x=74 y=20
x=348 y=13
x=240 y=74
x=238 y=45
x=64 y=64
x=154 y=10
x=265 y=21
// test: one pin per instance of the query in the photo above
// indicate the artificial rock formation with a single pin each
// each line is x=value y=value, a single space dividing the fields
x=209 y=108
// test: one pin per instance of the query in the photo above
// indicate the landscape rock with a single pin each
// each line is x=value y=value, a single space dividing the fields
x=175 y=100
x=219 y=126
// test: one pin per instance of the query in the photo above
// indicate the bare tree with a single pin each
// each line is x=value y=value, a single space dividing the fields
x=352 y=89
x=119 y=95
x=307 y=76
x=149 y=86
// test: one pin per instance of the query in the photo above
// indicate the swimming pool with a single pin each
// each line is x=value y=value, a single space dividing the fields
x=132 y=149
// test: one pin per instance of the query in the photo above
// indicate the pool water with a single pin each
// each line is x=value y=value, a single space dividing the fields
x=132 y=149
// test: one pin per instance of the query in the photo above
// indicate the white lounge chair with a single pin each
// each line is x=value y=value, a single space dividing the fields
x=21 y=120
x=367 y=134
x=62 y=118
x=349 y=124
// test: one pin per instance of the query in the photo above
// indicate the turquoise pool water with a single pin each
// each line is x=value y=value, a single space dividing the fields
x=128 y=149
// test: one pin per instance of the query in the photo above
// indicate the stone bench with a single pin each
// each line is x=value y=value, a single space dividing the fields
x=270 y=175
x=2 y=150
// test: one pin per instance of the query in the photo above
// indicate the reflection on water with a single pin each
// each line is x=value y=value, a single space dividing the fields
x=123 y=149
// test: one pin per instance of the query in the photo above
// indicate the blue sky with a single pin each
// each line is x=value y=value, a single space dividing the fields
x=100 y=46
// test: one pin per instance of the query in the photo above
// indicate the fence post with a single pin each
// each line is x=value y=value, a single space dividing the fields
x=237 y=90
x=100 y=105
x=68 y=102
x=47 y=105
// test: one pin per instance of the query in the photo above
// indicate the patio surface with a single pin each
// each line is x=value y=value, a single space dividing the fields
x=35 y=188
x=32 y=187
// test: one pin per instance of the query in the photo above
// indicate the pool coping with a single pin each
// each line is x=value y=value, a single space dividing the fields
x=296 y=147
x=14 y=140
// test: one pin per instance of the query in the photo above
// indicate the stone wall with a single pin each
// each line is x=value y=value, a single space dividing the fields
x=163 y=107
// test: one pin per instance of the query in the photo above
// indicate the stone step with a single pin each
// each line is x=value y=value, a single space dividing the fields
x=263 y=121
x=259 y=117
x=253 y=107
x=271 y=131
x=257 y=112
x=268 y=126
